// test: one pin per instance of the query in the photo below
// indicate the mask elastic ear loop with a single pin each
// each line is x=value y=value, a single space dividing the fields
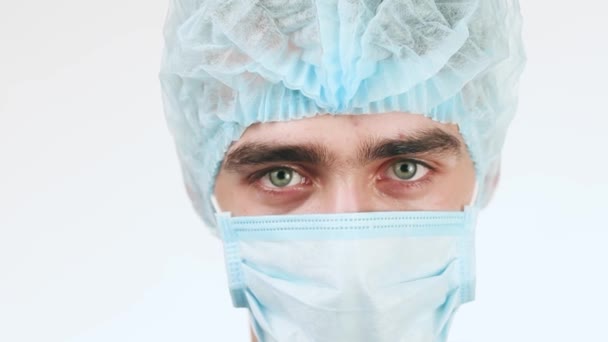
x=215 y=205
x=475 y=193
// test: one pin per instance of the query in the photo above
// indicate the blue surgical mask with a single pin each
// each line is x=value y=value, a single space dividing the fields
x=375 y=276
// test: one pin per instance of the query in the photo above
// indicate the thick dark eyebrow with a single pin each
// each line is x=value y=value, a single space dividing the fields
x=434 y=141
x=423 y=142
x=251 y=154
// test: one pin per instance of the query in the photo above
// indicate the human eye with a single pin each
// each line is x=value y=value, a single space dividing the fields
x=407 y=170
x=405 y=177
x=280 y=177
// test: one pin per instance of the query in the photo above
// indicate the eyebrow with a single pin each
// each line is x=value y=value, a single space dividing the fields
x=434 y=141
x=257 y=153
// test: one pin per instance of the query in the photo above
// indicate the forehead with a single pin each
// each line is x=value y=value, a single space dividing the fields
x=342 y=132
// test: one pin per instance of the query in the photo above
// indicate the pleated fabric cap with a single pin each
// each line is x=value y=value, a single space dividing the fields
x=228 y=64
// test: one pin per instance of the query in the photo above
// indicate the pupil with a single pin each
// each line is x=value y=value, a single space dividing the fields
x=280 y=177
x=405 y=170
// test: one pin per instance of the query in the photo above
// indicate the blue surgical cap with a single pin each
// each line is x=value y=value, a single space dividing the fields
x=228 y=64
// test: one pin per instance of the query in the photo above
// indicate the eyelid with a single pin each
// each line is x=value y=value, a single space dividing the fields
x=295 y=179
x=388 y=167
x=415 y=160
x=264 y=172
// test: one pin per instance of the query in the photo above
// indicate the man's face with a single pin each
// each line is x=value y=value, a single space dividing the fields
x=346 y=163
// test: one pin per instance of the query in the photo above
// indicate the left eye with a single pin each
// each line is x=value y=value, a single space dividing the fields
x=408 y=170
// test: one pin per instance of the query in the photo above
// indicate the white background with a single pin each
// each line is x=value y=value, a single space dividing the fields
x=98 y=241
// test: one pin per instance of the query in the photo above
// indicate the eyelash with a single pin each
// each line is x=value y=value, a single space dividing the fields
x=256 y=177
x=426 y=178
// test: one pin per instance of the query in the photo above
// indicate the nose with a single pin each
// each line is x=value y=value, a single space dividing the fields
x=346 y=196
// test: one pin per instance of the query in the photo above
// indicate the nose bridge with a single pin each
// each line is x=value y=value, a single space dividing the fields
x=346 y=195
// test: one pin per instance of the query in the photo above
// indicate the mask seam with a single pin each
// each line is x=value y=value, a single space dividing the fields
x=236 y=281
x=399 y=226
x=457 y=218
x=466 y=250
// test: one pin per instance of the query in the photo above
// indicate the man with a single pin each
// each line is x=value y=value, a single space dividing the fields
x=341 y=150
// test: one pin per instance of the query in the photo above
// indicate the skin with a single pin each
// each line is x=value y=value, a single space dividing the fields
x=344 y=180
x=346 y=163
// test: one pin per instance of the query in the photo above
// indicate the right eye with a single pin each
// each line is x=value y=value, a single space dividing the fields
x=281 y=178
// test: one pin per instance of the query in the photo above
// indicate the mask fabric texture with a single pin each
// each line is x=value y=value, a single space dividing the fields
x=377 y=276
